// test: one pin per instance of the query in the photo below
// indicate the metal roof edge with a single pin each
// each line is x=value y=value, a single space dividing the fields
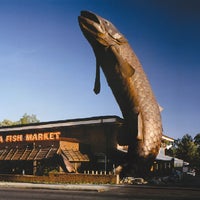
x=165 y=137
x=63 y=123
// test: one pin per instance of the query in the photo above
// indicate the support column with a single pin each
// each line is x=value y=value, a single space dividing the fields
x=34 y=167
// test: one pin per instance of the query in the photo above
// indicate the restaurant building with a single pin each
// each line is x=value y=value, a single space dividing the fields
x=76 y=145
x=69 y=145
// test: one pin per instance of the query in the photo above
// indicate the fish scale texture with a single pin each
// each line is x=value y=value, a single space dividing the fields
x=130 y=87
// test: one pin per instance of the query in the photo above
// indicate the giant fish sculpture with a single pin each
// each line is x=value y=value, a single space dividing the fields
x=142 y=127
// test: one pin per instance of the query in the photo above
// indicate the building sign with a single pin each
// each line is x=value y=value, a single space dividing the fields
x=31 y=137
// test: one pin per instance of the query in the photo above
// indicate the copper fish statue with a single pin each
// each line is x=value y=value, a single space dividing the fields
x=142 y=128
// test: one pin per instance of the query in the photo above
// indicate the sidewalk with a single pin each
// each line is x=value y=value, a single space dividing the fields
x=81 y=187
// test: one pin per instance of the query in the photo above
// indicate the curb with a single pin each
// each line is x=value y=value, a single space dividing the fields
x=82 y=187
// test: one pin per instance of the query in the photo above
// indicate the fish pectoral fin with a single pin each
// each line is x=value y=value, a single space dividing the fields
x=140 y=128
x=97 y=84
x=126 y=69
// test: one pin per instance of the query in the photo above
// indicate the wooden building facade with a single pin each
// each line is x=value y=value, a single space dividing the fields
x=76 y=145
x=68 y=145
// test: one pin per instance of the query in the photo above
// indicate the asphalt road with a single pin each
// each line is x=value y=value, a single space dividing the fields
x=114 y=192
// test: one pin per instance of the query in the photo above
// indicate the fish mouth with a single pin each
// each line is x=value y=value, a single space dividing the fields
x=97 y=28
x=90 y=23
x=90 y=16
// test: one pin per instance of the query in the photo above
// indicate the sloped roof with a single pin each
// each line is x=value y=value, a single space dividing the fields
x=27 y=154
x=64 y=123
x=75 y=156
x=164 y=157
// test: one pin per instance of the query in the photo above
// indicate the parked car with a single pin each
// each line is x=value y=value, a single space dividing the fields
x=191 y=172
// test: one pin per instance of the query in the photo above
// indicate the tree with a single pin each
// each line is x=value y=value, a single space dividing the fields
x=7 y=122
x=197 y=142
x=187 y=149
x=25 y=119
x=28 y=119
x=197 y=139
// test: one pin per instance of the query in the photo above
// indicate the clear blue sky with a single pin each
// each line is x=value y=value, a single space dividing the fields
x=47 y=67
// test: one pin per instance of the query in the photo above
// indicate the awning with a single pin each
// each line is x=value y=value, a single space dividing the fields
x=27 y=154
x=164 y=157
x=75 y=156
x=178 y=162
x=67 y=165
x=70 y=156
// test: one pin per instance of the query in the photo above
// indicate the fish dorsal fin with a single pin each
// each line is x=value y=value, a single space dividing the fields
x=97 y=84
x=160 y=108
x=126 y=69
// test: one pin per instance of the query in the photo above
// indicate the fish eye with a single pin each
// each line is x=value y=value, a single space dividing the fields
x=111 y=29
x=107 y=23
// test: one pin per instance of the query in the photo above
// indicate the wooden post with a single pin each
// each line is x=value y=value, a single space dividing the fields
x=34 y=167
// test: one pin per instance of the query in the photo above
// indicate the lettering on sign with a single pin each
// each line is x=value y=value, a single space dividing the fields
x=31 y=137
